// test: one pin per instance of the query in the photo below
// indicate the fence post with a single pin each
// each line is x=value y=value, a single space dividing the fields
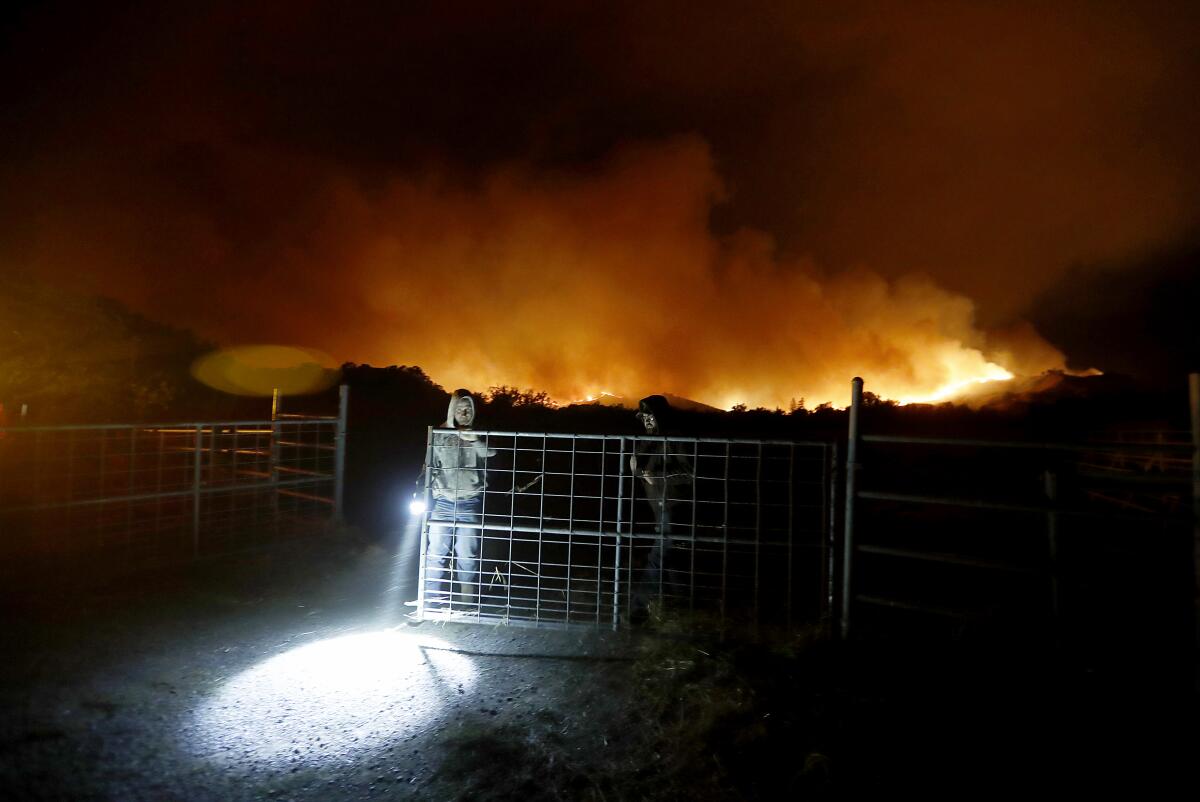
x=616 y=612
x=273 y=464
x=1194 y=399
x=1050 y=480
x=423 y=532
x=829 y=592
x=856 y=391
x=339 y=460
x=196 y=467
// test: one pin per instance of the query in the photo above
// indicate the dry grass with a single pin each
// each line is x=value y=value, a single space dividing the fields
x=693 y=716
x=731 y=716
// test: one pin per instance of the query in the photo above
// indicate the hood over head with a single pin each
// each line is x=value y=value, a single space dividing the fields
x=455 y=397
x=659 y=407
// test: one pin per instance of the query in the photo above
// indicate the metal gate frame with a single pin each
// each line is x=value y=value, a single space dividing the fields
x=564 y=531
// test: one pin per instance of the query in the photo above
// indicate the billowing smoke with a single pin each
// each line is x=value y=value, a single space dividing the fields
x=566 y=282
x=869 y=189
x=614 y=282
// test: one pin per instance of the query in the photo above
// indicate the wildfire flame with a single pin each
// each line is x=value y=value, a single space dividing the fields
x=952 y=389
x=616 y=281
x=569 y=283
x=598 y=397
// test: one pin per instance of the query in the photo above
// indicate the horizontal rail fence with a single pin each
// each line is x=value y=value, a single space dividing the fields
x=1082 y=539
x=568 y=534
x=148 y=494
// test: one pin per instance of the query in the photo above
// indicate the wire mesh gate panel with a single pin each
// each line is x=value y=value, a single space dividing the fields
x=587 y=529
x=141 y=494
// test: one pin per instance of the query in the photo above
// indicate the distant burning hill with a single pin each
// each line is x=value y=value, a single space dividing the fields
x=1042 y=388
x=679 y=402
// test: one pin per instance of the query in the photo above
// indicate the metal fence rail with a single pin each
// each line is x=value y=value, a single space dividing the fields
x=1078 y=535
x=142 y=494
x=567 y=534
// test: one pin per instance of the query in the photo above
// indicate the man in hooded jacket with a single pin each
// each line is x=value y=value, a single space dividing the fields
x=666 y=477
x=457 y=466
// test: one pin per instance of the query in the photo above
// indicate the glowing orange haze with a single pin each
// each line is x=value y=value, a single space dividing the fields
x=615 y=283
x=573 y=284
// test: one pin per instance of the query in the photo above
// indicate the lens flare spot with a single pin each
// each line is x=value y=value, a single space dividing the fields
x=259 y=370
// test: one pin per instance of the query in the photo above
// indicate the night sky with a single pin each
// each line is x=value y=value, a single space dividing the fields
x=737 y=202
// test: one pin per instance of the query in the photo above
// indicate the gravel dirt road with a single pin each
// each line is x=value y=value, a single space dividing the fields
x=290 y=676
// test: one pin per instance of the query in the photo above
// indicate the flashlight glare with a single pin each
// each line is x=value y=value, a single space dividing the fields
x=416 y=507
x=325 y=700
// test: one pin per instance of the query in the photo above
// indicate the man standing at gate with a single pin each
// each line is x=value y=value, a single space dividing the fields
x=666 y=478
x=456 y=477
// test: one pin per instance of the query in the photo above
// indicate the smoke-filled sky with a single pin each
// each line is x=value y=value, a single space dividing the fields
x=736 y=202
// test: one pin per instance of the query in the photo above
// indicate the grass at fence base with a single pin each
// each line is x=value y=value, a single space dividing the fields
x=702 y=715
x=693 y=716
x=733 y=711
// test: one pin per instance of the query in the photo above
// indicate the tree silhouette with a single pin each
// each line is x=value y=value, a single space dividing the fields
x=501 y=396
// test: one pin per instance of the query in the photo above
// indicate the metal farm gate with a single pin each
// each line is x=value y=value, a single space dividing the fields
x=132 y=495
x=565 y=533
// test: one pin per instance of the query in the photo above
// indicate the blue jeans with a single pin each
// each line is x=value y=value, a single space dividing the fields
x=655 y=577
x=442 y=537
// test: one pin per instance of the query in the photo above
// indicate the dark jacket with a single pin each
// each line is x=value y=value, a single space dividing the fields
x=666 y=472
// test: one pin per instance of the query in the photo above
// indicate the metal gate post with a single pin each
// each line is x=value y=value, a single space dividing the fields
x=339 y=459
x=1051 y=490
x=1194 y=399
x=616 y=613
x=856 y=391
x=791 y=533
x=423 y=533
x=829 y=538
x=196 y=466
x=273 y=466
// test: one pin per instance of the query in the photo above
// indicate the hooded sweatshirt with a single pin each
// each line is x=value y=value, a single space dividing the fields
x=664 y=472
x=457 y=458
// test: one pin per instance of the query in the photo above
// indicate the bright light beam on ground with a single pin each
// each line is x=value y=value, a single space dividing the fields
x=402 y=578
x=329 y=699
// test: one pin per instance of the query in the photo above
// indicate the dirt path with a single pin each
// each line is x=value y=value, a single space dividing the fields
x=284 y=680
x=292 y=676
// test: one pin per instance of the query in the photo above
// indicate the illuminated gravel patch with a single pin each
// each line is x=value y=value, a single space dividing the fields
x=333 y=698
